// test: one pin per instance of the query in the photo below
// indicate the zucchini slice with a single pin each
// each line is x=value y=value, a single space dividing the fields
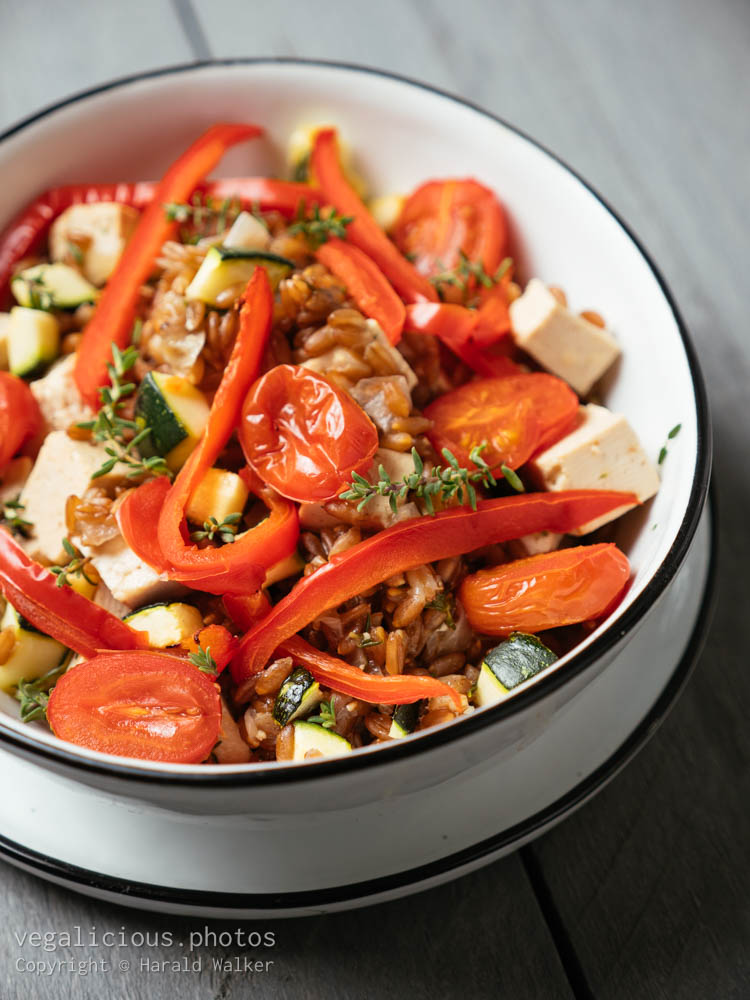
x=33 y=338
x=298 y=695
x=405 y=719
x=166 y=624
x=310 y=736
x=508 y=665
x=52 y=286
x=177 y=414
x=33 y=653
x=224 y=267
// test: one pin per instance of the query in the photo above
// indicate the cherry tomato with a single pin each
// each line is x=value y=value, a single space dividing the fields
x=514 y=414
x=442 y=218
x=148 y=705
x=545 y=591
x=20 y=418
x=303 y=436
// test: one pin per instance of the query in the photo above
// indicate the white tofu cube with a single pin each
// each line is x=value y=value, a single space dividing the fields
x=602 y=453
x=59 y=398
x=63 y=467
x=100 y=231
x=536 y=544
x=128 y=579
x=565 y=344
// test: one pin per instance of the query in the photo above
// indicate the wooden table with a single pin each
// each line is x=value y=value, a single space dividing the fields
x=644 y=892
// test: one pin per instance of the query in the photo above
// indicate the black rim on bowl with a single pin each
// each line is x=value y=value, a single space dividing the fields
x=273 y=773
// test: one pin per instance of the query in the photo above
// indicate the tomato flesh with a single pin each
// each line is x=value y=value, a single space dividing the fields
x=545 y=591
x=443 y=217
x=20 y=418
x=147 y=705
x=514 y=414
x=303 y=436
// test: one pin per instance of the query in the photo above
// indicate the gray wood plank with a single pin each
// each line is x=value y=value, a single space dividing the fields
x=443 y=943
x=50 y=50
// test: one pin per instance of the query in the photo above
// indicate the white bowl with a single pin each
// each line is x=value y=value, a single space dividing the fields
x=289 y=838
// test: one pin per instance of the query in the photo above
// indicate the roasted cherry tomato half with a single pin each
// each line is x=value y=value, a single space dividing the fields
x=515 y=415
x=20 y=418
x=545 y=591
x=303 y=436
x=442 y=218
x=148 y=705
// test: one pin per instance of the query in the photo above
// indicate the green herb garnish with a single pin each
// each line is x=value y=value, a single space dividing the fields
x=468 y=272
x=203 y=214
x=443 y=602
x=318 y=229
x=34 y=695
x=327 y=717
x=76 y=566
x=449 y=481
x=10 y=516
x=204 y=661
x=512 y=479
x=225 y=531
x=366 y=638
x=670 y=437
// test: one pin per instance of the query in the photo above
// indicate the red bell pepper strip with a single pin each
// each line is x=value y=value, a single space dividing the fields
x=246 y=610
x=60 y=612
x=401 y=689
x=265 y=193
x=241 y=566
x=366 y=284
x=456 y=326
x=20 y=417
x=411 y=543
x=363 y=231
x=113 y=319
x=219 y=642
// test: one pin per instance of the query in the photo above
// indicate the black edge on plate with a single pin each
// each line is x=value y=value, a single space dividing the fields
x=128 y=893
x=270 y=774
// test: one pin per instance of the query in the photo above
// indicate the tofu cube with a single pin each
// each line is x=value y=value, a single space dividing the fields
x=128 y=579
x=565 y=344
x=63 y=467
x=219 y=494
x=59 y=398
x=536 y=544
x=100 y=231
x=602 y=453
x=247 y=233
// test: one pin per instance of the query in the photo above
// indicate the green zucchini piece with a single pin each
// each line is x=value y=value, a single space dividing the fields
x=177 y=414
x=33 y=340
x=298 y=695
x=52 y=286
x=166 y=624
x=224 y=267
x=290 y=566
x=310 y=736
x=514 y=661
x=33 y=654
x=405 y=719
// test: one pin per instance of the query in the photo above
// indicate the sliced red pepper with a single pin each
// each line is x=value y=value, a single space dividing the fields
x=147 y=705
x=241 y=566
x=338 y=675
x=456 y=326
x=246 y=610
x=113 y=319
x=265 y=193
x=219 y=642
x=410 y=544
x=363 y=231
x=20 y=417
x=366 y=284
x=60 y=612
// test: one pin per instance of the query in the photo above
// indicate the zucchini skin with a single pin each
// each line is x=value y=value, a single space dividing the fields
x=166 y=429
x=518 y=658
x=290 y=700
x=405 y=719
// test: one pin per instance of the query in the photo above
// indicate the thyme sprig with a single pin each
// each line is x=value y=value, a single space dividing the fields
x=10 y=516
x=670 y=437
x=226 y=530
x=120 y=436
x=443 y=602
x=318 y=228
x=204 y=661
x=469 y=272
x=449 y=482
x=202 y=214
x=40 y=297
x=76 y=566
x=34 y=695
x=327 y=717
x=366 y=637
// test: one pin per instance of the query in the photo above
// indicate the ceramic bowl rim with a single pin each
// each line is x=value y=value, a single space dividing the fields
x=276 y=773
